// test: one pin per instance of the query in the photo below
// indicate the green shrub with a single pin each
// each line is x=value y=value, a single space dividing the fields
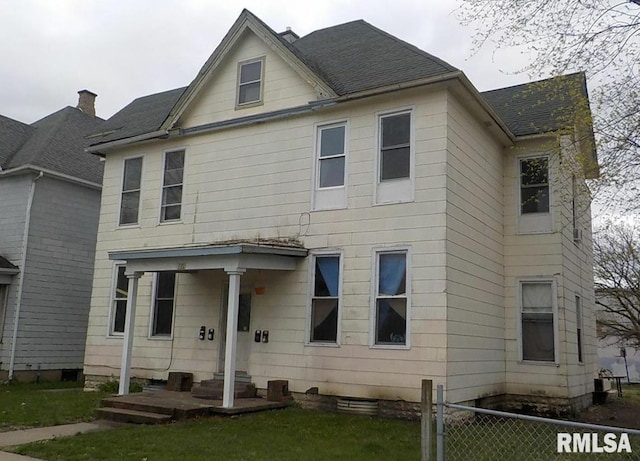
x=112 y=387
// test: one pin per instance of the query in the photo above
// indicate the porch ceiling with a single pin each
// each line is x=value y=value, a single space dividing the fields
x=225 y=256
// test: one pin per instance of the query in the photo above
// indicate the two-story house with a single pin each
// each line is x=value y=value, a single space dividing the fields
x=49 y=208
x=347 y=212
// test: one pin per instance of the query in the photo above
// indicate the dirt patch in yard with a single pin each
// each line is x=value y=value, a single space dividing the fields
x=617 y=411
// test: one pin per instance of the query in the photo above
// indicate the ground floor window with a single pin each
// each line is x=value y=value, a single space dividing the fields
x=163 y=303
x=325 y=299
x=391 y=298
x=119 y=301
x=537 y=321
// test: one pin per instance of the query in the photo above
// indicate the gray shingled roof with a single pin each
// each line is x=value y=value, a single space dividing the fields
x=357 y=56
x=143 y=115
x=539 y=107
x=56 y=143
x=13 y=134
x=5 y=264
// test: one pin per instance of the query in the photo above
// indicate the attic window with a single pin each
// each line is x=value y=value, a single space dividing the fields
x=250 y=82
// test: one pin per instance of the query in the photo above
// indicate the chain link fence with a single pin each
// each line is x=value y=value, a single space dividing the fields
x=469 y=433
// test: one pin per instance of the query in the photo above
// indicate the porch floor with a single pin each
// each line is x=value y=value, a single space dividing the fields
x=182 y=405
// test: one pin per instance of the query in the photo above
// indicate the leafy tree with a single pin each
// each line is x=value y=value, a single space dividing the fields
x=601 y=37
x=617 y=275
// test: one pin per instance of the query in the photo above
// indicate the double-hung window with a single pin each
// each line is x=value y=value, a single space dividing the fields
x=391 y=298
x=130 y=196
x=250 y=77
x=119 y=301
x=579 y=328
x=163 y=304
x=395 y=158
x=331 y=153
x=172 y=182
x=325 y=298
x=537 y=314
x=534 y=185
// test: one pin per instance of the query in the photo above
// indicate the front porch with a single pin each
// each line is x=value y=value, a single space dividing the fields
x=159 y=407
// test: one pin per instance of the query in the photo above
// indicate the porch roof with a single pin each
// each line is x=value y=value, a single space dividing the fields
x=273 y=255
x=7 y=271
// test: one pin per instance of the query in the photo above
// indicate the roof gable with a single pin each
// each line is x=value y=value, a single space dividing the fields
x=245 y=21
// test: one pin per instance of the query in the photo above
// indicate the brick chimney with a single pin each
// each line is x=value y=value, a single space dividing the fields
x=289 y=35
x=87 y=102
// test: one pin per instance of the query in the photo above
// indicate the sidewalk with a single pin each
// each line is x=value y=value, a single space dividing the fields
x=23 y=436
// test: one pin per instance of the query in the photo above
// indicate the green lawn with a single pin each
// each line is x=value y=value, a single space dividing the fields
x=45 y=404
x=291 y=434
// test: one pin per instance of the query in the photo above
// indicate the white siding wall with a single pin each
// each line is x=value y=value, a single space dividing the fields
x=475 y=261
x=256 y=182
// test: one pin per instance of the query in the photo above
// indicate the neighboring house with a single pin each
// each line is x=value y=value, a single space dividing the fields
x=615 y=355
x=347 y=212
x=49 y=208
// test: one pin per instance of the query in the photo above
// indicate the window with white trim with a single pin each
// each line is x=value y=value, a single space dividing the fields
x=395 y=169
x=130 y=196
x=163 y=304
x=119 y=301
x=579 y=328
x=172 y=182
x=534 y=185
x=391 y=298
x=331 y=158
x=537 y=321
x=250 y=79
x=325 y=299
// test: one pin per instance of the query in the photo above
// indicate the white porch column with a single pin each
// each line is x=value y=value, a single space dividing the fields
x=232 y=337
x=129 y=323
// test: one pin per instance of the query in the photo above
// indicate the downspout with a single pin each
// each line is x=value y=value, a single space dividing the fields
x=25 y=238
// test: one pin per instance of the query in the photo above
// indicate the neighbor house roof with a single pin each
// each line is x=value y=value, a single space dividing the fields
x=352 y=58
x=54 y=143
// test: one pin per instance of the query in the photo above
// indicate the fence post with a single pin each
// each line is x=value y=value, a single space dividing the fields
x=440 y=424
x=426 y=410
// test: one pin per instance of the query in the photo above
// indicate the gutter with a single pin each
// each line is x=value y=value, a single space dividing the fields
x=96 y=149
x=25 y=238
x=54 y=174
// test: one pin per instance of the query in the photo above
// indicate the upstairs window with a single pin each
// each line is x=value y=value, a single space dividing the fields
x=331 y=156
x=534 y=185
x=130 y=197
x=395 y=146
x=325 y=299
x=250 y=82
x=171 y=207
x=163 y=304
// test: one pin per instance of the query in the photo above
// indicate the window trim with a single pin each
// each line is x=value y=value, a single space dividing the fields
x=374 y=296
x=122 y=181
x=152 y=309
x=554 y=311
x=112 y=300
x=406 y=186
x=260 y=101
x=162 y=186
x=338 y=193
x=533 y=223
x=310 y=295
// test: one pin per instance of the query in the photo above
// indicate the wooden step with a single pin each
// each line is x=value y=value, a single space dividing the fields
x=215 y=391
x=124 y=415
x=139 y=405
x=241 y=377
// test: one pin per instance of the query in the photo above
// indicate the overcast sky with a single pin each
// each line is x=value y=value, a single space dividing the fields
x=125 y=49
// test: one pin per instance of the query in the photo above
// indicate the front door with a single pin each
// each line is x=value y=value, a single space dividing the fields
x=244 y=333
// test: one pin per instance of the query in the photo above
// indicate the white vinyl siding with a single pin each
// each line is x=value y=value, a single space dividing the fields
x=130 y=196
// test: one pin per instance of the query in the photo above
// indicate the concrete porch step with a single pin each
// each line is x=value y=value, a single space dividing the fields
x=124 y=415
